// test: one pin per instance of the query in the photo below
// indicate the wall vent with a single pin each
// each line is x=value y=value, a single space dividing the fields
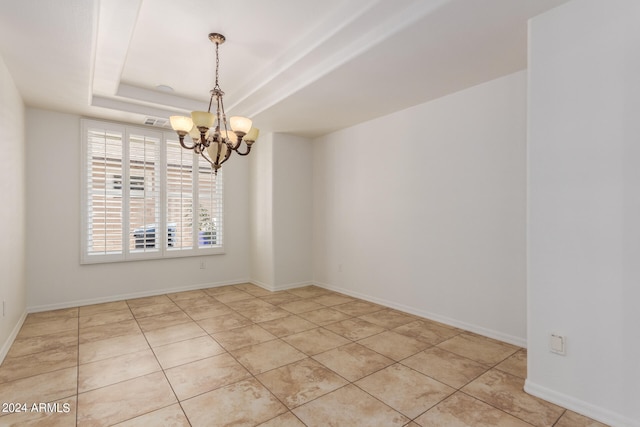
x=150 y=121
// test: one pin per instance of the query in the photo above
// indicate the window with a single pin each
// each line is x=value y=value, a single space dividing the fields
x=144 y=196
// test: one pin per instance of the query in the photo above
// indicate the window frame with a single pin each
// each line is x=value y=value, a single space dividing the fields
x=162 y=250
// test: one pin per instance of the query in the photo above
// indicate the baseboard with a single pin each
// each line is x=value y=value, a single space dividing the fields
x=12 y=336
x=120 y=297
x=500 y=336
x=595 y=412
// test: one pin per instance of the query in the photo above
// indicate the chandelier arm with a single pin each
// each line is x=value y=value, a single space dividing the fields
x=181 y=137
x=210 y=101
x=246 y=152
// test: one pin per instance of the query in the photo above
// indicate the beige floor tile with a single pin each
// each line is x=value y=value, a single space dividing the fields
x=277 y=298
x=300 y=382
x=147 y=310
x=121 y=381
x=197 y=294
x=257 y=291
x=264 y=314
x=355 y=329
x=242 y=337
x=249 y=304
x=48 y=327
x=405 y=390
x=236 y=295
x=41 y=388
x=353 y=361
x=393 y=345
x=125 y=400
x=208 y=310
x=448 y=368
x=315 y=341
x=301 y=306
x=333 y=299
x=110 y=330
x=287 y=325
x=427 y=331
x=484 y=350
x=225 y=322
x=505 y=391
x=152 y=300
x=515 y=365
x=102 y=318
x=187 y=351
x=461 y=410
x=48 y=316
x=388 y=318
x=111 y=347
x=116 y=369
x=170 y=416
x=163 y=320
x=267 y=355
x=571 y=419
x=217 y=290
x=171 y=334
x=358 y=308
x=324 y=316
x=30 y=345
x=244 y=403
x=14 y=368
x=187 y=303
x=285 y=420
x=90 y=310
x=309 y=291
x=205 y=375
x=59 y=413
x=348 y=406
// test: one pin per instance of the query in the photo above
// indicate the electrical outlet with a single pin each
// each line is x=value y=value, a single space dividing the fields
x=203 y=265
x=558 y=344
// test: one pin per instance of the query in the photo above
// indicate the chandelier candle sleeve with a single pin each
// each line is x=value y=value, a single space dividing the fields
x=215 y=145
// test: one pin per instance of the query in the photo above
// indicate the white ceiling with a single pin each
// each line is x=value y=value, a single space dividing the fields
x=302 y=66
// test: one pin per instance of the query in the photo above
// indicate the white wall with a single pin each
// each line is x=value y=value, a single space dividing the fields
x=425 y=210
x=54 y=275
x=584 y=208
x=12 y=210
x=261 y=212
x=292 y=192
x=281 y=215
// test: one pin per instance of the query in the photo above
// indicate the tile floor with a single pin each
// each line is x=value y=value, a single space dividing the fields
x=240 y=355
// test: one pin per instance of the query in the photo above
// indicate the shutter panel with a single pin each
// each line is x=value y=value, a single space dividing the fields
x=104 y=192
x=146 y=231
x=180 y=189
x=210 y=230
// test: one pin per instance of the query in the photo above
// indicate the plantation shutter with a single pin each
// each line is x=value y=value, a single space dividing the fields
x=146 y=231
x=211 y=205
x=145 y=196
x=104 y=191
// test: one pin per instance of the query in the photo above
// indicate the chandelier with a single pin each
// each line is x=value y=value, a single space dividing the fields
x=215 y=144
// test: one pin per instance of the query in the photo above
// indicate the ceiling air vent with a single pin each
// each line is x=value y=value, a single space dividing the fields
x=162 y=123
